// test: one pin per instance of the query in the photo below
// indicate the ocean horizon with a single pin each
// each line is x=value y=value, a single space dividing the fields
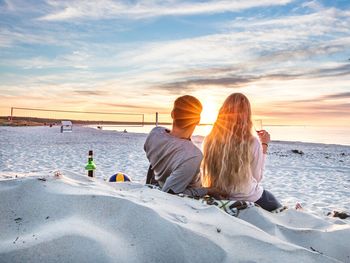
x=292 y=133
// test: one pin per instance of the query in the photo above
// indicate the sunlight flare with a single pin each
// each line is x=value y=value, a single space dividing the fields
x=210 y=111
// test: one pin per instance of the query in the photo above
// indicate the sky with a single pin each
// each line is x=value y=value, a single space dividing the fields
x=290 y=58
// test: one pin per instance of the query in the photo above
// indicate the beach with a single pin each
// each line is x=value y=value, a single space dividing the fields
x=52 y=212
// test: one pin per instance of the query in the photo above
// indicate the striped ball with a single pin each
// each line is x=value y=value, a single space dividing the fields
x=119 y=177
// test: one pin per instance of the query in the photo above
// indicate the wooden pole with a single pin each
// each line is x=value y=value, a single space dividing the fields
x=156 y=118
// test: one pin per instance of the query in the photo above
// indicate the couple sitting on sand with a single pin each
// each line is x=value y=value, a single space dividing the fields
x=232 y=161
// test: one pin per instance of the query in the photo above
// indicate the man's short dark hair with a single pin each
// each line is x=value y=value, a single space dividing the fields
x=187 y=111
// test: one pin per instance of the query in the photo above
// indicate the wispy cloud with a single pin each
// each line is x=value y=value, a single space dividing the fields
x=195 y=84
x=104 y=9
x=332 y=106
x=336 y=98
x=209 y=78
x=344 y=95
x=138 y=106
x=9 y=37
x=91 y=92
x=341 y=69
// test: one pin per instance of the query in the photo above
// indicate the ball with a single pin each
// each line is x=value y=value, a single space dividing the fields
x=119 y=177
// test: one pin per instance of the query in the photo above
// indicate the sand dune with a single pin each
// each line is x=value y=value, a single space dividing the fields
x=72 y=218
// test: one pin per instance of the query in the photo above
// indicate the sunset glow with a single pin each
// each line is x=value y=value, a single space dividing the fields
x=290 y=58
x=210 y=112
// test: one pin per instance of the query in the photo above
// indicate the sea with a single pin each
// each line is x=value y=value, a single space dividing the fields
x=310 y=134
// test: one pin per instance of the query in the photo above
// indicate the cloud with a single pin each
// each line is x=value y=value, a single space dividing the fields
x=238 y=81
x=335 y=97
x=195 y=84
x=309 y=115
x=91 y=92
x=105 y=9
x=7 y=5
x=139 y=106
x=251 y=45
x=76 y=59
x=8 y=37
x=207 y=78
x=317 y=109
x=344 y=95
x=248 y=44
x=312 y=5
x=336 y=71
x=296 y=26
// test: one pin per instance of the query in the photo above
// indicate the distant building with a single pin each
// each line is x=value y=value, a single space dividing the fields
x=66 y=126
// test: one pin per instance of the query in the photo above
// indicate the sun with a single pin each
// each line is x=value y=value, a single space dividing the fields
x=210 y=111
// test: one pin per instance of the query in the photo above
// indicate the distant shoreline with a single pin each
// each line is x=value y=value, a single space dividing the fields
x=32 y=121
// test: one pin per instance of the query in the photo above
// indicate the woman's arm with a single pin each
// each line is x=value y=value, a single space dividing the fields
x=258 y=160
x=260 y=147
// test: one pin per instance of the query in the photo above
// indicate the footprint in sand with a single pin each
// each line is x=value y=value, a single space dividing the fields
x=180 y=218
x=147 y=199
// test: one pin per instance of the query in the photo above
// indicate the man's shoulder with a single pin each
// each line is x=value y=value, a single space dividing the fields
x=158 y=130
x=158 y=135
x=184 y=147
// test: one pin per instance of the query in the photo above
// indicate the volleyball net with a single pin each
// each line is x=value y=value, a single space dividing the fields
x=77 y=117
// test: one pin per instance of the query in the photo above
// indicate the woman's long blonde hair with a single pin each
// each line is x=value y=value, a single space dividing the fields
x=227 y=157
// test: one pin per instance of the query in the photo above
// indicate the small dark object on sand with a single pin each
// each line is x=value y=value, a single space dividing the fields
x=298 y=152
x=42 y=179
x=18 y=219
x=14 y=242
x=47 y=217
x=341 y=215
x=298 y=206
x=315 y=250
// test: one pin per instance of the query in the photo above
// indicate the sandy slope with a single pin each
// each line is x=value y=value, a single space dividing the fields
x=75 y=219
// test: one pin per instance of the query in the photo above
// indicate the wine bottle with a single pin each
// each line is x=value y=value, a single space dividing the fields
x=90 y=166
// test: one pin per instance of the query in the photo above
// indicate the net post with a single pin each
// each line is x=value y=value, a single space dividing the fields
x=156 y=118
x=11 y=118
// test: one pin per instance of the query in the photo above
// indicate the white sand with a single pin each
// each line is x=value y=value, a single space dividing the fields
x=76 y=219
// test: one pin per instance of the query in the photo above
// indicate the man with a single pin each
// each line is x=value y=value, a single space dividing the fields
x=174 y=159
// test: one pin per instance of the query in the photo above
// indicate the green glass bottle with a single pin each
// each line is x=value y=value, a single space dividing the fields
x=90 y=166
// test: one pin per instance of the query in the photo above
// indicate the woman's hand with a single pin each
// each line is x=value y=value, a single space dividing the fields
x=264 y=137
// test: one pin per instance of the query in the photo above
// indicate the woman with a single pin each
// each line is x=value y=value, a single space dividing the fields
x=234 y=158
